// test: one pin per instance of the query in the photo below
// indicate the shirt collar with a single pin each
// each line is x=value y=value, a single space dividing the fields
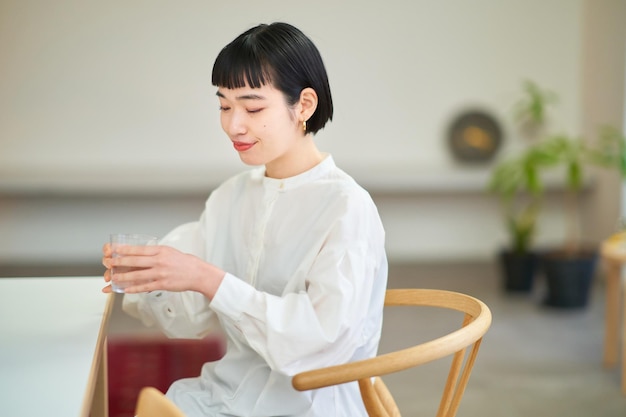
x=318 y=171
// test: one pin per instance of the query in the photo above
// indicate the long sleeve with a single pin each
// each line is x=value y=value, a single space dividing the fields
x=178 y=315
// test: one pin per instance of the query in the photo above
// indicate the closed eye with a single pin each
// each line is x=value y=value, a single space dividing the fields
x=224 y=108
x=254 y=110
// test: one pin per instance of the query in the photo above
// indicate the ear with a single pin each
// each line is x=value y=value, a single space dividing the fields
x=307 y=104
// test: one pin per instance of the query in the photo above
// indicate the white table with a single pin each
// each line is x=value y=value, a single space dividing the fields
x=53 y=346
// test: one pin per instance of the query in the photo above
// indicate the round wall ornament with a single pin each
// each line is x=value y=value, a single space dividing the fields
x=474 y=136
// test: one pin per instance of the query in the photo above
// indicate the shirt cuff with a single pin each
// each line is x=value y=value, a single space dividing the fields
x=232 y=297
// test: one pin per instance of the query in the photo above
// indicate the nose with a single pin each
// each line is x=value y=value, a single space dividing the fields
x=233 y=123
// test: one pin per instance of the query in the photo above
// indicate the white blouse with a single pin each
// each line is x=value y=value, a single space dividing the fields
x=305 y=285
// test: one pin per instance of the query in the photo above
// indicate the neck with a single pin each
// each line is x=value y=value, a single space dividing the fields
x=299 y=160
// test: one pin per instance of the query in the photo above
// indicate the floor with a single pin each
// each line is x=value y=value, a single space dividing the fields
x=534 y=361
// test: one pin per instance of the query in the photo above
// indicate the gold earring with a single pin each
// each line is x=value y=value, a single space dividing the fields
x=304 y=125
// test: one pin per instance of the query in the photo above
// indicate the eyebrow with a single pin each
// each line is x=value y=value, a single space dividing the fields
x=243 y=97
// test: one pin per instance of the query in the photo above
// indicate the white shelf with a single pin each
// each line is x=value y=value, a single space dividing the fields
x=112 y=181
x=401 y=180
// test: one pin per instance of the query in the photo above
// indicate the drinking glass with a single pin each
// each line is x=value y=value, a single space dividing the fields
x=131 y=239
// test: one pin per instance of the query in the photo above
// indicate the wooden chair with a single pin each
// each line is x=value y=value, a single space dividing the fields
x=613 y=253
x=153 y=403
x=376 y=397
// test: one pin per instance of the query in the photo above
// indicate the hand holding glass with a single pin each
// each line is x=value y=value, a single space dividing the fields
x=120 y=239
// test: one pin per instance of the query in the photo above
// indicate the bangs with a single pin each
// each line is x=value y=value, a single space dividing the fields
x=236 y=67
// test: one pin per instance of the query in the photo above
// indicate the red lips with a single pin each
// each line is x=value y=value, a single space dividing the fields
x=243 y=146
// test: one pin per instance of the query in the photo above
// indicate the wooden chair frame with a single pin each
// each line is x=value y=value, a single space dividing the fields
x=376 y=397
x=613 y=256
x=153 y=403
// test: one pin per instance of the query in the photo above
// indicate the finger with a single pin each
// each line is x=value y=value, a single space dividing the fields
x=107 y=275
x=132 y=250
x=106 y=250
x=129 y=261
x=147 y=286
x=129 y=278
x=106 y=261
x=107 y=289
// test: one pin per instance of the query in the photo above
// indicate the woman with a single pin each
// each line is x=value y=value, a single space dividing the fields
x=287 y=259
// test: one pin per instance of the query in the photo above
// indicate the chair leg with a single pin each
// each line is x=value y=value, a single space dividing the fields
x=623 y=293
x=611 y=319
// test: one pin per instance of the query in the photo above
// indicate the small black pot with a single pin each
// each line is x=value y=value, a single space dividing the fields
x=568 y=277
x=518 y=270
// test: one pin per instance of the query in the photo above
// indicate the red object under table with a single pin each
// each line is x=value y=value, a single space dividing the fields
x=134 y=363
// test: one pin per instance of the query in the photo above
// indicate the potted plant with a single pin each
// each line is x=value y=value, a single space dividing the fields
x=517 y=183
x=520 y=192
x=569 y=270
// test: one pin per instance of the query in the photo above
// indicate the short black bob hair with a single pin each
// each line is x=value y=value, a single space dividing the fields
x=281 y=55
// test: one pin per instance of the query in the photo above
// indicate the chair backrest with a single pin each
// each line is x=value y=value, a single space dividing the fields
x=153 y=403
x=376 y=397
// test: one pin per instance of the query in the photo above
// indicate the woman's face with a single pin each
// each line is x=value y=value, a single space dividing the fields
x=264 y=130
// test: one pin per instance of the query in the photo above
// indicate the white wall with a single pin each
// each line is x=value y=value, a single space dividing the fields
x=102 y=101
x=88 y=86
x=603 y=102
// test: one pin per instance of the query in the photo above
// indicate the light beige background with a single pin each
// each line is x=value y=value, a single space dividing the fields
x=108 y=121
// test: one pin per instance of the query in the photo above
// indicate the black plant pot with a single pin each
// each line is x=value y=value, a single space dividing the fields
x=518 y=270
x=568 y=278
